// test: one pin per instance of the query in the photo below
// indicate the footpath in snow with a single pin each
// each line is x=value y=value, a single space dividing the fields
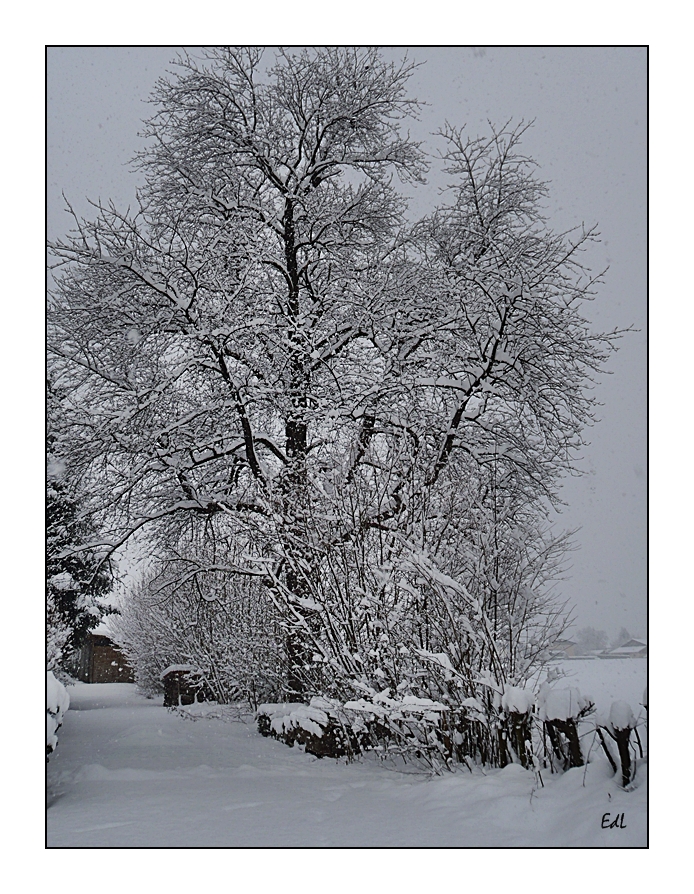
x=129 y=773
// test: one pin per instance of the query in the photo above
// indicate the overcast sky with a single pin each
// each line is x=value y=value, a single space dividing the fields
x=589 y=138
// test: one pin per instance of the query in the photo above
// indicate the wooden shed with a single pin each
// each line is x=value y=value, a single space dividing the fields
x=184 y=685
x=101 y=661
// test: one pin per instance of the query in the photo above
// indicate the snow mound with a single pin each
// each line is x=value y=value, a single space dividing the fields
x=57 y=703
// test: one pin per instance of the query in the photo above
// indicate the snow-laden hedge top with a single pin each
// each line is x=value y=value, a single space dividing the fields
x=286 y=716
x=561 y=704
x=516 y=700
x=621 y=716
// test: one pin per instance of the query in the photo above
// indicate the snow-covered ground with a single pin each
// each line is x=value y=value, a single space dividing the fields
x=127 y=772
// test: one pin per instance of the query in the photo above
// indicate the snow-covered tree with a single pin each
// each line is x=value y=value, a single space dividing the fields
x=588 y=639
x=223 y=625
x=341 y=407
x=620 y=638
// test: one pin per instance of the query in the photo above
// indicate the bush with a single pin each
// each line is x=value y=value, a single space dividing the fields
x=57 y=703
x=232 y=640
x=560 y=710
x=619 y=726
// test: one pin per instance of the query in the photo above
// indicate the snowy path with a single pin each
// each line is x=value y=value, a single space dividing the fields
x=129 y=773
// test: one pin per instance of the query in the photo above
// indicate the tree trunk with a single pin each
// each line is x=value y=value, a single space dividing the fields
x=622 y=737
x=296 y=479
x=568 y=751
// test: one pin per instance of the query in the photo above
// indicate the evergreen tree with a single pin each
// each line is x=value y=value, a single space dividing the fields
x=74 y=579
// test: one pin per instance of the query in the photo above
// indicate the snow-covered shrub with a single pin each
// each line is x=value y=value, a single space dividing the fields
x=517 y=725
x=323 y=727
x=438 y=634
x=560 y=711
x=57 y=636
x=421 y=626
x=409 y=726
x=57 y=703
x=619 y=725
x=221 y=625
x=621 y=717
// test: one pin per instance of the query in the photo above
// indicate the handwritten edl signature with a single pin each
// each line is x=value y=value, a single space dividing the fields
x=616 y=823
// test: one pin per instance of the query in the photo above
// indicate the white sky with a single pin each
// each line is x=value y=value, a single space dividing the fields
x=590 y=141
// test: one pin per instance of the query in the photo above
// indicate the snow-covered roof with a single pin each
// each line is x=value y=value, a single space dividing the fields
x=102 y=629
x=628 y=650
x=177 y=667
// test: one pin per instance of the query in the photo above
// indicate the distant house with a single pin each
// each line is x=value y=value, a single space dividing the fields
x=563 y=648
x=101 y=661
x=634 y=648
